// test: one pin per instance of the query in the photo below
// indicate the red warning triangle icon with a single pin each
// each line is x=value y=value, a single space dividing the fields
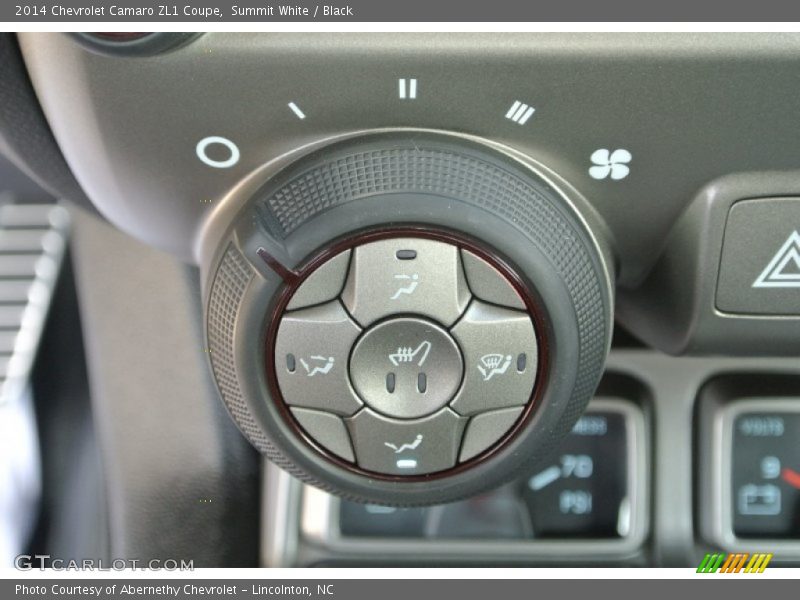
x=783 y=269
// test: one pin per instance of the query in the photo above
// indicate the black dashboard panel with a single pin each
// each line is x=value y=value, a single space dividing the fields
x=658 y=134
x=672 y=159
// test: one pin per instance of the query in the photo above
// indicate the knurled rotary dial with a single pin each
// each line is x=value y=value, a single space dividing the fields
x=407 y=317
x=406 y=356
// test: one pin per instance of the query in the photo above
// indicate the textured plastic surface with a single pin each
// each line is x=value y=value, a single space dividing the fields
x=675 y=309
x=232 y=277
x=590 y=91
x=25 y=136
x=181 y=480
x=415 y=179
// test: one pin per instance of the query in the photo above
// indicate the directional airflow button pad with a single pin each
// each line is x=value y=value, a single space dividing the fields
x=411 y=343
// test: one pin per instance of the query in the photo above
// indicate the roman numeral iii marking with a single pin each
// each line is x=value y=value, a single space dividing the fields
x=520 y=112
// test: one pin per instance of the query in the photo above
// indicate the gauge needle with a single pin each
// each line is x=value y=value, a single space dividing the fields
x=791 y=477
x=545 y=478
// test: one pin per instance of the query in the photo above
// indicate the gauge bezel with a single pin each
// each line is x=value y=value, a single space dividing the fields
x=318 y=515
x=717 y=493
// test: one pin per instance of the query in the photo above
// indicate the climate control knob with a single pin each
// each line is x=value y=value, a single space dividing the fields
x=409 y=317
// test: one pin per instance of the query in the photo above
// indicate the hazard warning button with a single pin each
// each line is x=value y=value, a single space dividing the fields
x=760 y=266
